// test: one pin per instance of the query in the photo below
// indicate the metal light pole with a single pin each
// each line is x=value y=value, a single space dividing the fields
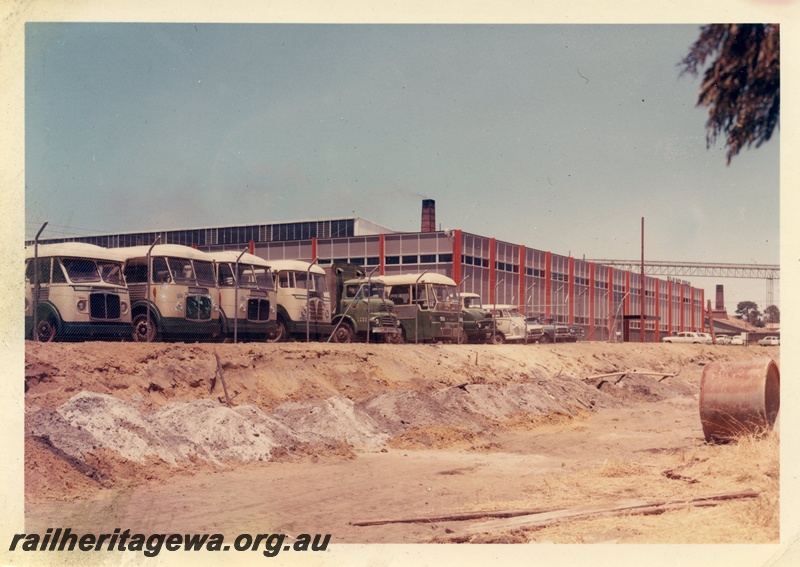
x=308 y=295
x=494 y=308
x=533 y=285
x=236 y=299
x=621 y=303
x=369 y=299
x=460 y=311
x=417 y=313
x=149 y=277
x=36 y=284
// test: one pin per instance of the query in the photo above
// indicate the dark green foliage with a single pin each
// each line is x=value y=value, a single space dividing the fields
x=741 y=86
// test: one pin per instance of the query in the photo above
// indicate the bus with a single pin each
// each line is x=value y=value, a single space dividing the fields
x=183 y=301
x=248 y=307
x=304 y=303
x=78 y=292
x=427 y=305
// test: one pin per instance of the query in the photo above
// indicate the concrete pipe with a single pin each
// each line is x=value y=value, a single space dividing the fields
x=737 y=398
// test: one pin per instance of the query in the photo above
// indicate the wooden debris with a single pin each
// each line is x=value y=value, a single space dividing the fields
x=456 y=517
x=222 y=378
x=587 y=512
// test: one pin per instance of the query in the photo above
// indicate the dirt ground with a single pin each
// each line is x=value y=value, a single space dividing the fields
x=321 y=438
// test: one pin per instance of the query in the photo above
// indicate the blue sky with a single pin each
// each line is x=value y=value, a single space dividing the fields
x=559 y=137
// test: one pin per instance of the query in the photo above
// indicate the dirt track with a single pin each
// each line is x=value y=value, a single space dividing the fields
x=321 y=436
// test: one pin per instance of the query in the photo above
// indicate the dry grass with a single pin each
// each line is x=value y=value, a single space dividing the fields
x=751 y=463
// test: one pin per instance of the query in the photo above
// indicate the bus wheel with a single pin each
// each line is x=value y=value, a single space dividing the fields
x=498 y=338
x=140 y=329
x=46 y=330
x=342 y=334
x=545 y=338
x=280 y=333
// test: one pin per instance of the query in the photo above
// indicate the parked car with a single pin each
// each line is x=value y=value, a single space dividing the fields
x=550 y=332
x=738 y=340
x=770 y=341
x=510 y=324
x=723 y=340
x=688 y=337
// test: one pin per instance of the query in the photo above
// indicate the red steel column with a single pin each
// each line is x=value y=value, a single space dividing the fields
x=656 y=325
x=381 y=254
x=702 y=316
x=669 y=307
x=548 y=263
x=610 y=302
x=313 y=248
x=492 y=268
x=571 y=292
x=681 y=314
x=591 y=301
x=523 y=290
x=457 y=256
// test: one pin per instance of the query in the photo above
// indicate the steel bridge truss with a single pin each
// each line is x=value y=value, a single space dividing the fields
x=697 y=269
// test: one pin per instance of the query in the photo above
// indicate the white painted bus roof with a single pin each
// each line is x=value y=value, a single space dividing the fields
x=73 y=250
x=172 y=250
x=294 y=266
x=231 y=255
x=400 y=279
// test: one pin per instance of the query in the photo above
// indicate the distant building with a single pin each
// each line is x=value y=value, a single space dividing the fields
x=603 y=300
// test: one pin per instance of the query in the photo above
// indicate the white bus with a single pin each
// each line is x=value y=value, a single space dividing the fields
x=183 y=302
x=304 y=303
x=427 y=304
x=78 y=291
x=248 y=306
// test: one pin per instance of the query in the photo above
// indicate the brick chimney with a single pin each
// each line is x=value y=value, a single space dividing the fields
x=428 y=215
x=719 y=311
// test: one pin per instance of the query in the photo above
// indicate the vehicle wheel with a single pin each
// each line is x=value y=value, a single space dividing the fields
x=343 y=334
x=394 y=338
x=280 y=333
x=498 y=338
x=462 y=337
x=46 y=330
x=545 y=339
x=140 y=329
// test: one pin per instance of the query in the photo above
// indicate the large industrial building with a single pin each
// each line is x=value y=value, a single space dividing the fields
x=603 y=300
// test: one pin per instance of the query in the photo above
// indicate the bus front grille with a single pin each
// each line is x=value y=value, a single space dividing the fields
x=104 y=306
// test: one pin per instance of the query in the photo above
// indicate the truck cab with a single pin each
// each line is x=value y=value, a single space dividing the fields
x=477 y=323
x=361 y=308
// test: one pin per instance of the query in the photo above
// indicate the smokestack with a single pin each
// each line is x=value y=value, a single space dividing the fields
x=428 y=215
x=720 y=298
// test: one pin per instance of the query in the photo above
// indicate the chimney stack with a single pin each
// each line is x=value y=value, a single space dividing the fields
x=720 y=298
x=428 y=215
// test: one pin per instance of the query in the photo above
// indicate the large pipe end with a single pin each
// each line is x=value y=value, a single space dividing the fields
x=739 y=398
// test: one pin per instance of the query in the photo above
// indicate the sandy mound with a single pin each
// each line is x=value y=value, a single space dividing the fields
x=95 y=403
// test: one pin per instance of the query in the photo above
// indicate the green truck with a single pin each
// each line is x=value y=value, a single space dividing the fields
x=361 y=310
x=477 y=323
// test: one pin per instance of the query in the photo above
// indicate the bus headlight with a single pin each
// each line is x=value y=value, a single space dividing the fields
x=303 y=313
x=326 y=313
x=81 y=305
x=123 y=307
x=242 y=307
x=179 y=306
x=272 y=309
x=376 y=321
x=442 y=318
